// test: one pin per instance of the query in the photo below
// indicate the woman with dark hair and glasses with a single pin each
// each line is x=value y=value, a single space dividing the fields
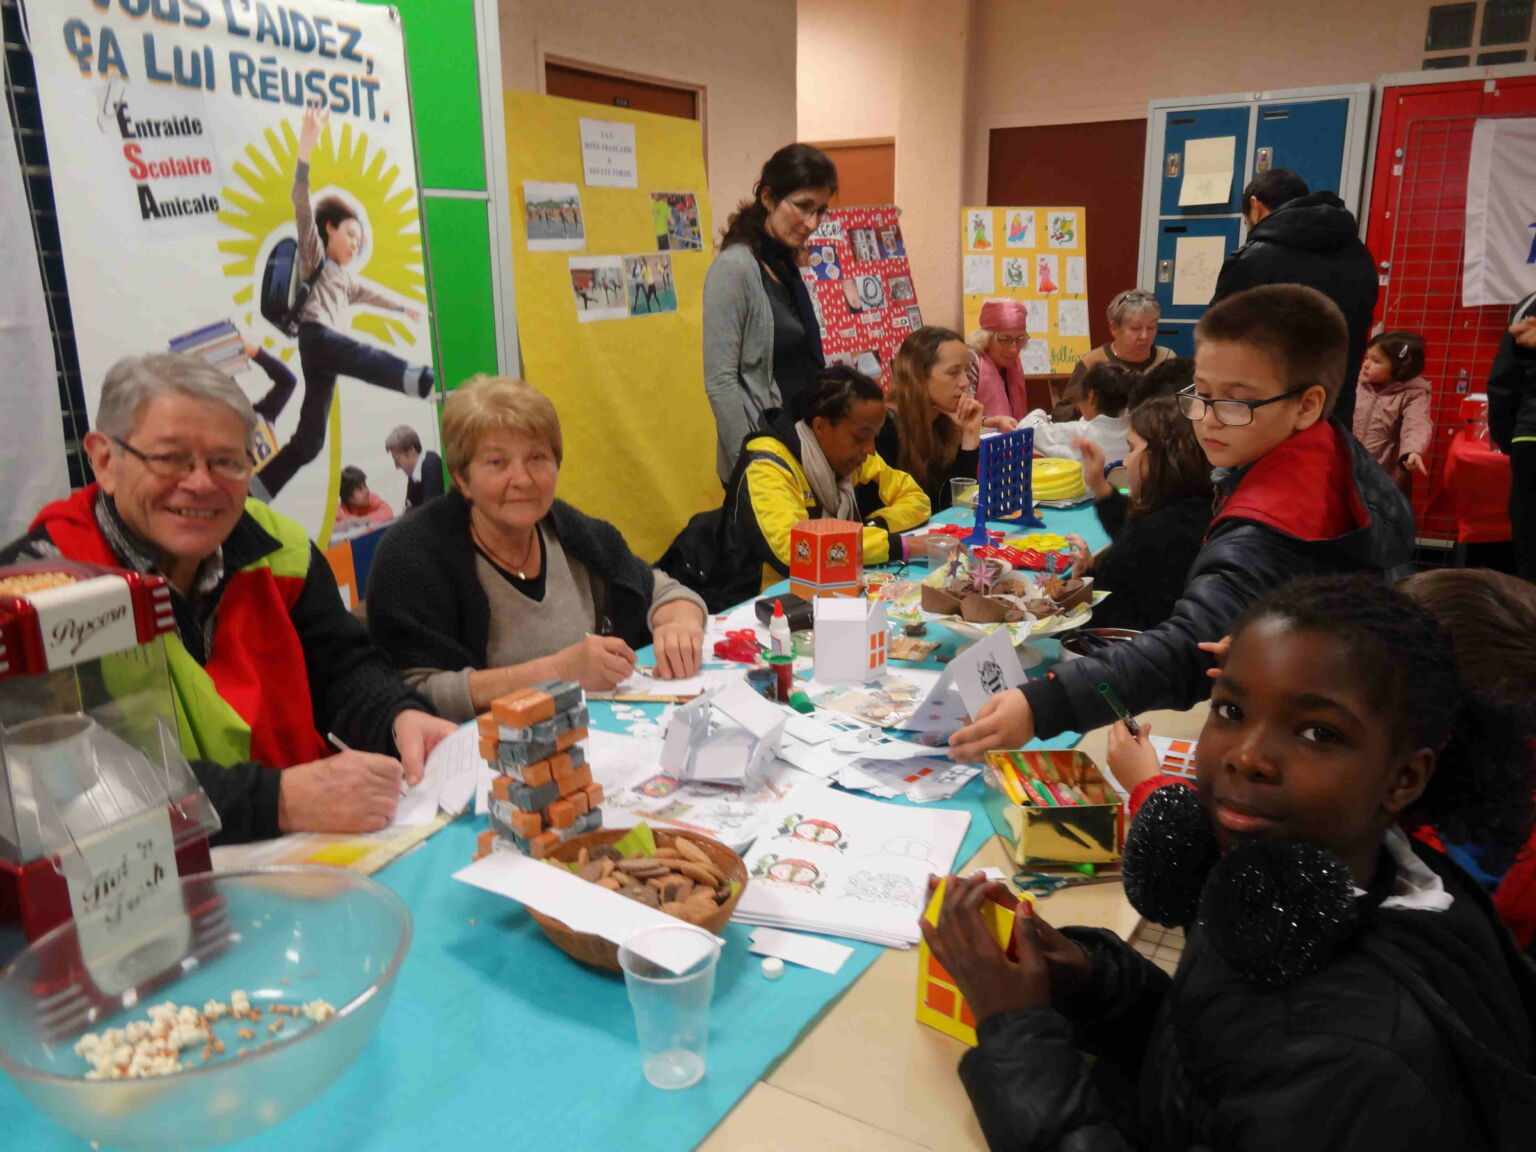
x=819 y=460
x=762 y=341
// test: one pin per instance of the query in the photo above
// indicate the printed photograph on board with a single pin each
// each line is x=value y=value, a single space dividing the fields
x=552 y=217
x=597 y=287
x=648 y=281
x=675 y=219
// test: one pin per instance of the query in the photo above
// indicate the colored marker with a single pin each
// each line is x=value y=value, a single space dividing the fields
x=1120 y=709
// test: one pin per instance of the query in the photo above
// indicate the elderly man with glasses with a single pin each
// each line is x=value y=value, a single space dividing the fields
x=265 y=659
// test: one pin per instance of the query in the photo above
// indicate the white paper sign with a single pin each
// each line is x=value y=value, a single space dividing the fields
x=125 y=894
x=1072 y=317
x=1208 y=168
x=1499 y=260
x=608 y=154
x=1196 y=264
x=978 y=276
x=85 y=620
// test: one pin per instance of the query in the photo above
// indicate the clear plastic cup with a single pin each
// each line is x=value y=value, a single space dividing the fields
x=940 y=549
x=962 y=492
x=671 y=1008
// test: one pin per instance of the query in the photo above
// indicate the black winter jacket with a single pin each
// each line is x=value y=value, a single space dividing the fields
x=1147 y=563
x=1512 y=386
x=1312 y=240
x=1417 y=1036
x=1315 y=505
x=426 y=608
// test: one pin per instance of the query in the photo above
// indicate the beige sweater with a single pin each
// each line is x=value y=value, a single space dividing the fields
x=335 y=290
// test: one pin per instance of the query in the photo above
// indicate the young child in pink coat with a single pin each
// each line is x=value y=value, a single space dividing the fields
x=1392 y=406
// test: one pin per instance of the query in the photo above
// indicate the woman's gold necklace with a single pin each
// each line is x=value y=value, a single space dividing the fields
x=515 y=569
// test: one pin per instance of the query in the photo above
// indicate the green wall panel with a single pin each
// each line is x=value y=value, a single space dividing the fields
x=459 y=245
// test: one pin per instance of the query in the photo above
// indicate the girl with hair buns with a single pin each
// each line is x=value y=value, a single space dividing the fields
x=762 y=342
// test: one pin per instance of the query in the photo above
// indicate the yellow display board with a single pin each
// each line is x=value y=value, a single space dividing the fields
x=1038 y=256
x=628 y=381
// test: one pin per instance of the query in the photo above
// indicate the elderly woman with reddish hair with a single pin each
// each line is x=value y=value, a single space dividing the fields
x=998 y=344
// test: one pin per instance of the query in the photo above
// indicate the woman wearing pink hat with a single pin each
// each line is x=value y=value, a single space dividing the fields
x=998 y=344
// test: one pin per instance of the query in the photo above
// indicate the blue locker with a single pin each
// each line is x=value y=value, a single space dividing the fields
x=1179 y=337
x=1305 y=136
x=1199 y=124
x=1168 y=234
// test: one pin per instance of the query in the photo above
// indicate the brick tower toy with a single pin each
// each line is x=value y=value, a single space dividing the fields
x=826 y=558
x=543 y=792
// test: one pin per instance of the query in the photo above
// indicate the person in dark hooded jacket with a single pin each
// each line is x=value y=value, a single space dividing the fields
x=1297 y=238
x=1512 y=424
x=1342 y=987
x=1296 y=495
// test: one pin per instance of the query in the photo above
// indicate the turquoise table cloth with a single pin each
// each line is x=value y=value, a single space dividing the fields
x=496 y=1039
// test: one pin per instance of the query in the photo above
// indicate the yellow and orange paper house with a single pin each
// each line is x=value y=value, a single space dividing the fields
x=826 y=558
x=939 y=1003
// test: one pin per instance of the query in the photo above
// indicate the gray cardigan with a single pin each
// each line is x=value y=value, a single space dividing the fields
x=738 y=351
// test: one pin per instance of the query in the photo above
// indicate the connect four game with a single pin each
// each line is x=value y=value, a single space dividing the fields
x=1005 y=483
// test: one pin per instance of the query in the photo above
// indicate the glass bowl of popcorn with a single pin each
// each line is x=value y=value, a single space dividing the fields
x=210 y=1020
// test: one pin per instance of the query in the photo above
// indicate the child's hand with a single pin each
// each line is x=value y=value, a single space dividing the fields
x=315 y=120
x=990 y=982
x=1005 y=721
x=1524 y=332
x=1093 y=467
x=1001 y=423
x=249 y=349
x=1082 y=555
x=1415 y=463
x=1131 y=758
x=1218 y=652
x=413 y=313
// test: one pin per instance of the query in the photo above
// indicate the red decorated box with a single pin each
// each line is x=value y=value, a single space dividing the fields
x=826 y=558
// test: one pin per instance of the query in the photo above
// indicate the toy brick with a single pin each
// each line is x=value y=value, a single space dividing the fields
x=488 y=748
x=578 y=754
x=561 y=814
x=565 y=775
x=569 y=737
x=594 y=795
x=526 y=823
x=537 y=775
x=483 y=843
x=523 y=709
x=578 y=800
x=532 y=799
x=514 y=756
x=565 y=693
x=576 y=717
x=543 y=844
x=592 y=821
x=581 y=777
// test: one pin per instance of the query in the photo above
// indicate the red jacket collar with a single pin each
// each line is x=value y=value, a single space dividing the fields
x=1304 y=487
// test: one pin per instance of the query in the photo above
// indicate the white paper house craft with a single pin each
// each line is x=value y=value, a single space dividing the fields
x=850 y=640
x=726 y=737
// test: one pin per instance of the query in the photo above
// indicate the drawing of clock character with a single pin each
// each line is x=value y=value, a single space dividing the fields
x=821 y=832
x=790 y=873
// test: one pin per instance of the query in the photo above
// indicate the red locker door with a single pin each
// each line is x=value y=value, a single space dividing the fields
x=1415 y=231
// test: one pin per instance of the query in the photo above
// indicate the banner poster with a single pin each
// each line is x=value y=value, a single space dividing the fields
x=861 y=286
x=178 y=133
x=1038 y=256
x=1499 y=257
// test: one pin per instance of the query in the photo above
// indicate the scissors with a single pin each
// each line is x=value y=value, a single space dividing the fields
x=741 y=646
x=1049 y=883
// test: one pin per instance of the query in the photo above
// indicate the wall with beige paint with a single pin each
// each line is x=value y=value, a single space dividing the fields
x=849 y=71
x=742 y=53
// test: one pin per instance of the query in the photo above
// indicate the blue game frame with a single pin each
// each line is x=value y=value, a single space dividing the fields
x=1005 y=483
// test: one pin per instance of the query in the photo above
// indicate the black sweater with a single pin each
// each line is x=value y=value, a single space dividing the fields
x=1417 y=1035
x=1147 y=563
x=426 y=607
x=965 y=463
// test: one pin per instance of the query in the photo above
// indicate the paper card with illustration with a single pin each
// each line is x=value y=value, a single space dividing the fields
x=1020 y=229
x=900 y=290
x=649 y=284
x=1208 y=168
x=1061 y=230
x=1035 y=360
x=892 y=246
x=978 y=230
x=1197 y=263
x=871 y=292
x=597 y=286
x=675 y=219
x=1072 y=317
x=978 y=276
x=1015 y=272
x=1036 y=316
x=1077 y=275
x=1046 y=281
x=986 y=668
x=552 y=217
x=866 y=249
x=824 y=262
x=730 y=813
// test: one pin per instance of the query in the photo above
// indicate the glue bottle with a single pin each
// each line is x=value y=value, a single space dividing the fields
x=778 y=631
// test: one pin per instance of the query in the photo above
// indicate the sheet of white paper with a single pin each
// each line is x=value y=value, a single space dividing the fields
x=1036 y=357
x=419 y=804
x=708 y=678
x=608 y=154
x=1036 y=317
x=986 y=668
x=458 y=767
x=1208 y=166
x=581 y=906
x=1076 y=274
x=1072 y=317
x=807 y=951
x=875 y=744
x=979 y=276
x=1196 y=264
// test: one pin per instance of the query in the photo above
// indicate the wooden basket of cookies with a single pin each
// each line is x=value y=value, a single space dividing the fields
x=686 y=875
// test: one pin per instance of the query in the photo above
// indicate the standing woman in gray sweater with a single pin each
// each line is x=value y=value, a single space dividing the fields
x=761 y=338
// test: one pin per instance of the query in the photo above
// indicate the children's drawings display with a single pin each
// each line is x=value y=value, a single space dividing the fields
x=202 y=216
x=1037 y=256
x=861 y=284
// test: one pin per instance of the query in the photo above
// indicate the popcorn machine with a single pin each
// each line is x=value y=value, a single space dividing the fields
x=96 y=798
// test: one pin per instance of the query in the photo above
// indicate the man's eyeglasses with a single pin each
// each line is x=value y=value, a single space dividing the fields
x=172 y=465
x=1232 y=413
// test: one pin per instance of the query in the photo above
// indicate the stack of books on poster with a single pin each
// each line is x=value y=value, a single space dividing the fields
x=219 y=344
x=839 y=865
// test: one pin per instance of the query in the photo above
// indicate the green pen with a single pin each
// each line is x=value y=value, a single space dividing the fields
x=1120 y=709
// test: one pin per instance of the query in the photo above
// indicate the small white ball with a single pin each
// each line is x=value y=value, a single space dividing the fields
x=773 y=967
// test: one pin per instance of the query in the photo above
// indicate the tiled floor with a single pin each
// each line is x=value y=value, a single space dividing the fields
x=1162 y=946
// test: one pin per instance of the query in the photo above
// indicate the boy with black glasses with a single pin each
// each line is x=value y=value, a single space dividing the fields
x=1296 y=495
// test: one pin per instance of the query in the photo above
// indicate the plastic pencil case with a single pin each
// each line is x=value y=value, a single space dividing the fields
x=1035 y=833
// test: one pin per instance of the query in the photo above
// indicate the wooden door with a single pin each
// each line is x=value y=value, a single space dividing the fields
x=866 y=173
x=620 y=91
